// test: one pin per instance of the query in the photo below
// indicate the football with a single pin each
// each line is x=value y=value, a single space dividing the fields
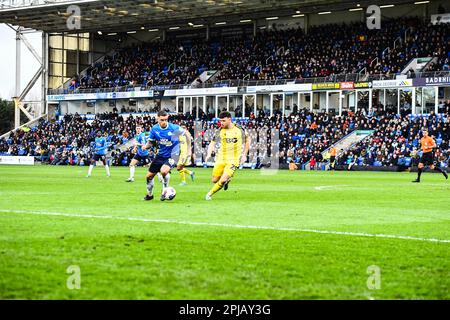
x=169 y=193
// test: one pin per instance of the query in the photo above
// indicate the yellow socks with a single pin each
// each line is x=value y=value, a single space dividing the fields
x=216 y=188
x=183 y=175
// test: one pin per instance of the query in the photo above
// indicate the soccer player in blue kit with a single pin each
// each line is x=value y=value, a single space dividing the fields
x=140 y=154
x=167 y=136
x=100 y=150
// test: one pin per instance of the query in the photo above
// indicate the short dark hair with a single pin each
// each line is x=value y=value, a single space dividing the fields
x=224 y=114
x=162 y=113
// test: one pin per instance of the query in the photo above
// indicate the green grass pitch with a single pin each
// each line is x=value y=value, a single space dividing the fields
x=291 y=235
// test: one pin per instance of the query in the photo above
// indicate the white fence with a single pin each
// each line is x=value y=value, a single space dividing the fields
x=28 y=161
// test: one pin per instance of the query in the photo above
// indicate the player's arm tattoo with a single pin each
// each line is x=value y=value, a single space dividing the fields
x=150 y=144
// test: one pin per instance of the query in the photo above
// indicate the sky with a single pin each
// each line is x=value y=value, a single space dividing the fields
x=29 y=64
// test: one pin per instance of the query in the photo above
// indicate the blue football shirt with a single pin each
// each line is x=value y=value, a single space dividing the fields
x=168 y=139
x=142 y=139
x=101 y=146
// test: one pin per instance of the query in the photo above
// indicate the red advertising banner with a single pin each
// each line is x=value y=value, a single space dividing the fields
x=347 y=85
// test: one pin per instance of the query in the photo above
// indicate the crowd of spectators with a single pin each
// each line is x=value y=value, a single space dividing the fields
x=305 y=135
x=300 y=137
x=276 y=54
x=69 y=140
x=395 y=142
x=416 y=38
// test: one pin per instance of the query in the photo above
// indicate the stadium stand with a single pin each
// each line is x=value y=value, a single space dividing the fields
x=396 y=141
x=303 y=136
x=326 y=50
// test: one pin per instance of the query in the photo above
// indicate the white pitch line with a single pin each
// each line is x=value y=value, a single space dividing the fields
x=224 y=225
x=320 y=188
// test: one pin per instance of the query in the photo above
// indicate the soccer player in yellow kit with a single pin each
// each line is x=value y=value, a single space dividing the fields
x=185 y=157
x=234 y=147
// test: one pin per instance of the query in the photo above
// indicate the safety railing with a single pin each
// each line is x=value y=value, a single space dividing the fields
x=350 y=77
x=11 y=4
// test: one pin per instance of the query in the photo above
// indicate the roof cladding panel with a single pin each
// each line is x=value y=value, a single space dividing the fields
x=126 y=15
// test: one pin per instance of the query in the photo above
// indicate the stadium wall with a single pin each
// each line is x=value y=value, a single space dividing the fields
x=287 y=23
x=383 y=168
x=141 y=36
x=101 y=45
x=236 y=100
x=336 y=17
x=446 y=93
x=101 y=106
x=406 y=10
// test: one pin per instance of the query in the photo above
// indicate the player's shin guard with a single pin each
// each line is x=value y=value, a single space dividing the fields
x=150 y=184
x=419 y=173
x=132 y=171
x=187 y=171
x=91 y=167
x=216 y=188
x=182 y=175
x=166 y=180
x=107 y=170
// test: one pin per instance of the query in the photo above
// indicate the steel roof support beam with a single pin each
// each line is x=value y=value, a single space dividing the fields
x=31 y=83
x=30 y=47
x=35 y=108
x=17 y=88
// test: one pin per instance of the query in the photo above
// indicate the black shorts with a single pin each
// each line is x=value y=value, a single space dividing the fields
x=100 y=157
x=332 y=158
x=427 y=158
x=158 y=162
x=144 y=159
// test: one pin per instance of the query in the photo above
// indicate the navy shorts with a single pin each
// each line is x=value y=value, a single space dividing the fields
x=144 y=159
x=158 y=162
x=100 y=157
x=427 y=158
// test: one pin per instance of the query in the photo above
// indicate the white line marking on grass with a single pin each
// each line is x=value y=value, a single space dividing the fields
x=320 y=188
x=225 y=225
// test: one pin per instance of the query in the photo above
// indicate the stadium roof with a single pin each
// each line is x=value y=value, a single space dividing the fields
x=126 y=15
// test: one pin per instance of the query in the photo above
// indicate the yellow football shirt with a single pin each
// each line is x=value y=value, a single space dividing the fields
x=231 y=144
x=183 y=145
